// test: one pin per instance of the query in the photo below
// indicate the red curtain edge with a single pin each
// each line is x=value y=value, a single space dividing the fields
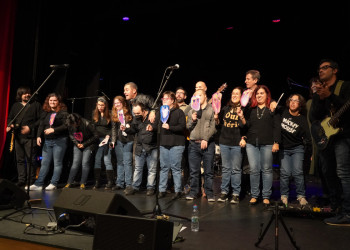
x=7 y=21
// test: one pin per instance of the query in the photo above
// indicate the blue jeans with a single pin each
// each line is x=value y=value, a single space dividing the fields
x=52 y=149
x=124 y=163
x=260 y=160
x=105 y=153
x=80 y=157
x=170 y=158
x=151 y=159
x=195 y=156
x=292 y=165
x=336 y=157
x=231 y=157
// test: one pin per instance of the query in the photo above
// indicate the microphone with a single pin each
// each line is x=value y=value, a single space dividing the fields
x=59 y=66
x=176 y=66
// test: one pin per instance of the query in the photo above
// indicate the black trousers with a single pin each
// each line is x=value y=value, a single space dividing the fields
x=23 y=146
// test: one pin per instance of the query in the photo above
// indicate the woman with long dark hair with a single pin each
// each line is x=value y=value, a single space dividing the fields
x=53 y=130
x=101 y=119
x=121 y=116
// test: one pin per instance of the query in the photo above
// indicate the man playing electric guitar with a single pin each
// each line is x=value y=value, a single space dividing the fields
x=335 y=158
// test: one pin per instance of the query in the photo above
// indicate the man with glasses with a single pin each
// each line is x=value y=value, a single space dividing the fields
x=335 y=158
x=181 y=95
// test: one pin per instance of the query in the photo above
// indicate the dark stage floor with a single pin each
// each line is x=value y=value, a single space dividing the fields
x=222 y=225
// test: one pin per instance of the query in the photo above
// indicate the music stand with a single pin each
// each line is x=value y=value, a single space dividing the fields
x=276 y=216
x=157 y=211
x=29 y=163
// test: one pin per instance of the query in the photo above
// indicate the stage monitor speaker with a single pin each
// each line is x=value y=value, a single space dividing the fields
x=134 y=233
x=11 y=196
x=79 y=207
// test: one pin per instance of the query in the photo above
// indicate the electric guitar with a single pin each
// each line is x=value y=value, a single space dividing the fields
x=323 y=131
x=12 y=140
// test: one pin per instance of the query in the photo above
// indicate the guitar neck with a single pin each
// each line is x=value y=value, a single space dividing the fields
x=221 y=89
x=336 y=116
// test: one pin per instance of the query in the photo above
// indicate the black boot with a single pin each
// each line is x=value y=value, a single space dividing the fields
x=110 y=179
x=97 y=173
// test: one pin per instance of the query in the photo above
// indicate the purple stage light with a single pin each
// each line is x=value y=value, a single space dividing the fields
x=126 y=18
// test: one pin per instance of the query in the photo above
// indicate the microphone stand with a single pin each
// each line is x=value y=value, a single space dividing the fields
x=29 y=163
x=276 y=216
x=157 y=211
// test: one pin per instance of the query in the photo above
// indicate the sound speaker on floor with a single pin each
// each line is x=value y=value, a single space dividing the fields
x=134 y=233
x=11 y=196
x=77 y=209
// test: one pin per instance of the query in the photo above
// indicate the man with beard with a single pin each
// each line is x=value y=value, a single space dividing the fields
x=24 y=128
x=330 y=97
x=181 y=95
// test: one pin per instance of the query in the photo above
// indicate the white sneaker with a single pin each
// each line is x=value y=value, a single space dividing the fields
x=33 y=188
x=211 y=199
x=235 y=199
x=50 y=187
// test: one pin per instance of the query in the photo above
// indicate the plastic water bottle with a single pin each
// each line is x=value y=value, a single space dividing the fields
x=195 y=219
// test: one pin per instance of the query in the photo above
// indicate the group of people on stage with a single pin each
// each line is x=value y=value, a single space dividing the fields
x=251 y=125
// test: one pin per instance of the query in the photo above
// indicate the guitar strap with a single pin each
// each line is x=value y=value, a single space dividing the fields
x=338 y=87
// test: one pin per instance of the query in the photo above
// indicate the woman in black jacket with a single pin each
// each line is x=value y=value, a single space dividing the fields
x=263 y=138
x=172 y=145
x=122 y=142
x=101 y=119
x=53 y=128
x=84 y=137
